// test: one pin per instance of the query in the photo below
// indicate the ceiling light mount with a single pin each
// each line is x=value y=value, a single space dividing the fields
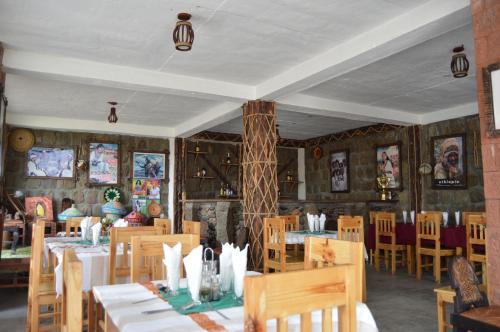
x=112 y=118
x=183 y=34
x=459 y=63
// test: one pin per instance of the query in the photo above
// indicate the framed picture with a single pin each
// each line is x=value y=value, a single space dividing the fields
x=449 y=162
x=389 y=164
x=39 y=207
x=491 y=83
x=148 y=165
x=50 y=163
x=104 y=164
x=339 y=171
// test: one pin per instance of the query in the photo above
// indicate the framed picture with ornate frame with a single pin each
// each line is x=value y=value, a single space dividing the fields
x=491 y=84
x=44 y=162
x=339 y=171
x=449 y=161
x=103 y=163
x=148 y=164
x=388 y=158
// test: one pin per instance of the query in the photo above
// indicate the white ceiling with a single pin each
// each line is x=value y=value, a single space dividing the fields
x=295 y=125
x=331 y=65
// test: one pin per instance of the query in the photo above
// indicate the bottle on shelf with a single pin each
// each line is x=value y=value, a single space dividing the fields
x=289 y=176
x=228 y=158
x=198 y=173
x=228 y=190
x=197 y=147
x=222 y=193
x=203 y=172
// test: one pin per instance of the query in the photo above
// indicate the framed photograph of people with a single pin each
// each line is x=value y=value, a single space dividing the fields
x=50 y=163
x=491 y=86
x=449 y=162
x=104 y=164
x=148 y=165
x=339 y=171
x=389 y=164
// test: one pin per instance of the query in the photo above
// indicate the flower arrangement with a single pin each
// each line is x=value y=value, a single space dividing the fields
x=106 y=223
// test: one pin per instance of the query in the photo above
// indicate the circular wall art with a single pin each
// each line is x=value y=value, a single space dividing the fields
x=21 y=139
x=112 y=194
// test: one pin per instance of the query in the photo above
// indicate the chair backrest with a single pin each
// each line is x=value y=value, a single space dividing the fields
x=72 y=307
x=292 y=222
x=274 y=245
x=351 y=228
x=164 y=225
x=322 y=252
x=476 y=232
x=429 y=228
x=191 y=227
x=36 y=259
x=73 y=223
x=372 y=215
x=123 y=236
x=385 y=226
x=279 y=295
x=147 y=253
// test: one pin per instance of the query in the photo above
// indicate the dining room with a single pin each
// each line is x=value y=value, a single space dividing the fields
x=232 y=166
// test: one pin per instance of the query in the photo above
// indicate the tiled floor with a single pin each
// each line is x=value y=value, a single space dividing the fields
x=398 y=303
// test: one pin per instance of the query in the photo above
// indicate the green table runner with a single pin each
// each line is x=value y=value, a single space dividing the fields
x=313 y=233
x=182 y=298
x=104 y=240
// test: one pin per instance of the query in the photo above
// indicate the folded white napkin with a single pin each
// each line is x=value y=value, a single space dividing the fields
x=322 y=221
x=85 y=225
x=173 y=263
x=423 y=212
x=316 y=223
x=310 y=222
x=405 y=216
x=457 y=217
x=239 y=259
x=120 y=223
x=445 y=218
x=412 y=217
x=96 y=232
x=226 y=266
x=192 y=264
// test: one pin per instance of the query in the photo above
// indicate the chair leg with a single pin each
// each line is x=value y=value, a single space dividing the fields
x=386 y=258
x=377 y=260
x=483 y=273
x=91 y=312
x=419 y=266
x=393 y=261
x=35 y=317
x=409 y=259
x=437 y=268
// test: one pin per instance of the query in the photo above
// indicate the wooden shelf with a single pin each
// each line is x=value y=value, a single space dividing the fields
x=196 y=154
x=203 y=177
x=229 y=197
x=227 y=166
x=294 y=182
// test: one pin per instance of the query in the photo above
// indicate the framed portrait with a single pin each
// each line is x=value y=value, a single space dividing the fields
x=339 y=171
x=389 y=164
x=491 y=83
x=50 y=163
x=449 y=162
x=104 y=164
x=39 y=207
x=148 y=165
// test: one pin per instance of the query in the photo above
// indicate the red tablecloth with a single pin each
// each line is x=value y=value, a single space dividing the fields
x=451 y=237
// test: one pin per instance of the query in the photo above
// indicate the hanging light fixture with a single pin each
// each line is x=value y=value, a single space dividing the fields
x=183 y=33
x=112 y=118
x=459 y=63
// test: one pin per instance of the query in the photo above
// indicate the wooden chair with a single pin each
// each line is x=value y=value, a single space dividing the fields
x=274 y=246
x=371 y=217
x=72 y=310
x=41 y=291
x=292 y=223
x=321 y=252
x=385 y=239
x=73 y=223
x=428 y=244
x=475 y=226
x=164 y=224
x=147 y=253
x=351 y=228
x=191 y=227
x=278 y=295
x=123 y=236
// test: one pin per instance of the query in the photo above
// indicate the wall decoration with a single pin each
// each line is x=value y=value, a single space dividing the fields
x=389 y=164
x=491 y=84
x=50 y=163
x=153 y=189
x=148 y=165
x=104 y=164
x=21 y=139
x=39 y=207
x=339 y=171
x=140 y=205
x=112 y=194
x=139 y=188
x=449 y=162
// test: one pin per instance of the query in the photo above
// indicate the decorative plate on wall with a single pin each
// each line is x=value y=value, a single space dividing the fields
x=21 y=139
x=317 y=153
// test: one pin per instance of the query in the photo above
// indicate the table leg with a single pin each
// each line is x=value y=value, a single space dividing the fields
x=409 y=259
x=91 y=312
x=441 y=313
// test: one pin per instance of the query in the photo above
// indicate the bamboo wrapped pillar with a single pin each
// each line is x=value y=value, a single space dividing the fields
x=260 y=181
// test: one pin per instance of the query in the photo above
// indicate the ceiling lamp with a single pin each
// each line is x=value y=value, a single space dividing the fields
x=459 y=62
x=183 y=33
x=112 y=118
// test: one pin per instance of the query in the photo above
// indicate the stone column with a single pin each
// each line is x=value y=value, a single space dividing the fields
x=260 y=181
x=486 y=25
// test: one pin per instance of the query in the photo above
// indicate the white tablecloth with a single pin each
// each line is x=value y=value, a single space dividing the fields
x=299 y=237
x=94 y=261
x=127 y=317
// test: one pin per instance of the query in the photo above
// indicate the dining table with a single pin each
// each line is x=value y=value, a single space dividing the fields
x=127 y=309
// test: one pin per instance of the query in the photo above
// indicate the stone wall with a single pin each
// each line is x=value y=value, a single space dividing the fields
x=88 y=199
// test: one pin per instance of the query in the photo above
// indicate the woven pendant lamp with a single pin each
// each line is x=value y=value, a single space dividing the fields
x=183 y=33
